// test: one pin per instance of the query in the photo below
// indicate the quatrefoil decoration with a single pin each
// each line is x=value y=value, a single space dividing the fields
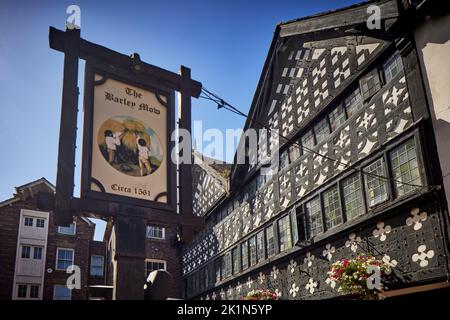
x=278 y=292
x=390 y=262
x=311 y=285
x=422 y=256
x=328 y=252
x=261 y=277
x=416 y=219
x=292 y=265
x=293 y=290
x=274 y=273
x=382 y=231
x=308 y=260
x=353 y=242
x=249 y=282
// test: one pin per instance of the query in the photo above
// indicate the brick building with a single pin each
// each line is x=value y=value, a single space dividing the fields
x=35 y=253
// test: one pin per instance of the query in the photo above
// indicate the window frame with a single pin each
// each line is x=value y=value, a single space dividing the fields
x=91 y=265
x=57 y=257
x=274 y=245
x=59 y=228
x=163 y=232
x=27 y=252
x=37 y=222
x=394 y=56
x=387 y=183
x=290 y=239
x=245 y=257
x=361 y=192
x=61 y=286
x=28 y=218
x=41 y=254
x=164 y=262
x=393 y=185
x=325 y=222
x=376 y=71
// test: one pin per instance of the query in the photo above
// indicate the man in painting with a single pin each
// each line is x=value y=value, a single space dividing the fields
x=112 y=141
x=144 y=155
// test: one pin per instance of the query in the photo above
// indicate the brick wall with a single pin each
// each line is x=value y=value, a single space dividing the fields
x=9 y=228
x=166 y=250
x=80 y=243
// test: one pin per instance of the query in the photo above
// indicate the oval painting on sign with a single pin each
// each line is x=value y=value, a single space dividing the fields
x=130 y=146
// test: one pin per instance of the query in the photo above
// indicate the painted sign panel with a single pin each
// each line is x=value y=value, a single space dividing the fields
x=128 y=132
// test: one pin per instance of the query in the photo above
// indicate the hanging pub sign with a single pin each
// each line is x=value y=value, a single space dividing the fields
x=127 y=166
x=127 y=145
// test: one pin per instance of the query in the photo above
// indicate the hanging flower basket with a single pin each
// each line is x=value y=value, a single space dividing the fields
x=260 y=295
x=350 y=275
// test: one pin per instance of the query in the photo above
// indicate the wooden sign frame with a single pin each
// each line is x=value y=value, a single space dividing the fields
x=125 y=76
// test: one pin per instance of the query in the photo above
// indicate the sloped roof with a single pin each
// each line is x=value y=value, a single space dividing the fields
x=340 y=21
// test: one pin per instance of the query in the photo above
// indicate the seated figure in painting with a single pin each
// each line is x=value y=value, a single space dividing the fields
x=144 y=155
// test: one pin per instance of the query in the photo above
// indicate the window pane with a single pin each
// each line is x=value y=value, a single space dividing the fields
x=244 y=255
x=61 y=292
x=308 y=140
x=261 y=246
x=65 y=259
x=22 y=291
x=97 y=266
x=322 y=130
x=294 y=153
x=376 y=186
x=226 y=265
x=154 y=265
x=332 y=208
x=67 y=230
x=235 y=257
x=37 y=253
x=392 y=67
x=40 y=223
x=26 y=251
x=28 y=222
x=353 y=102
x=218 y=271
x=405 y=168
x=370 y=84
x=252 y=248
x=314 y=216
x=337 y=117
x=284 y=159
x=284 y=233
x=155 y=232
x=353 y=201
x=270 y=241
x=34 y=291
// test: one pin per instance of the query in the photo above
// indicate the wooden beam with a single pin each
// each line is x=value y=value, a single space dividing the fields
x=68 y=130
x=92 y=51
x=185 y=169
x=423 y=288
x=98 y=208
x=345 y=17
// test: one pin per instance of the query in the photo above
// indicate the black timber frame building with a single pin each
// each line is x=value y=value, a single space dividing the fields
x=362 y=177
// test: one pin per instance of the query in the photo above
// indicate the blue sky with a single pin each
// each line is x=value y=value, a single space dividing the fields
x=225 y=44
